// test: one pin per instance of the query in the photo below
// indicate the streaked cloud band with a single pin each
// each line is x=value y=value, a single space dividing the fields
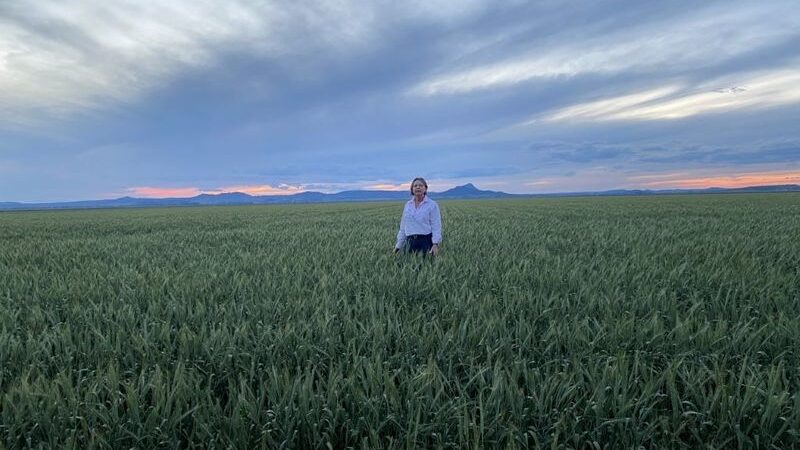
x=706 y=36
x=748 y=91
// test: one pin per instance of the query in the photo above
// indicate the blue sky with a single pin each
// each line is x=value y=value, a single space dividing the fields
x=102 y=99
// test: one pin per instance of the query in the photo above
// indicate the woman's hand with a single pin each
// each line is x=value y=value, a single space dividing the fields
x=435 y=249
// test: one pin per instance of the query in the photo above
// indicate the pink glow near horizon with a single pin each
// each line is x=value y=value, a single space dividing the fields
x=261 y=189
x=681 y=181
x=182 y=192
x=388 y=187
x=676 y=180
x=158 y=192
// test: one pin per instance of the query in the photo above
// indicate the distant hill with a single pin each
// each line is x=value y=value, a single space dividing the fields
x=711 y=190
x=467 y=191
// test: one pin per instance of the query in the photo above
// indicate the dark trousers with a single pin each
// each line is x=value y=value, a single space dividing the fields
x=421 y=243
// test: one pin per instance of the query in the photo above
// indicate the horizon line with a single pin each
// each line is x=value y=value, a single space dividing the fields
x=299 y=192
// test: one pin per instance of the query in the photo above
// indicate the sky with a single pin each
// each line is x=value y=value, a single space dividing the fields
x=104 y=99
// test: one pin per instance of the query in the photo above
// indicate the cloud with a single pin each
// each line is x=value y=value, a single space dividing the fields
x=256 y=190
x=603 y=109
x=550 y=180
x=58 y=59
x=733 y=180
x=539 y=183
x=212 y=96
x=388 y=187
x=705 y=37
x=259 y=189
x=163 y=192
x=588 y=153
x=781 y=152
x=488 y=168
x=262 y=189
x=754 y=91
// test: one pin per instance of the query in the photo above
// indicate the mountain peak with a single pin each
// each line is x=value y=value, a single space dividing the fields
x=468 y=191
x=469 y=187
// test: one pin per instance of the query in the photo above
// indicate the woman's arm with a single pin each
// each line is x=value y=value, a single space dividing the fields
x=436 y=229
x=401 y=234
x=436 y=224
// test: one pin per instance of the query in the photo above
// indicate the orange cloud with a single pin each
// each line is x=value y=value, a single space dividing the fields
x=157 y=192
x=724 y=181
x=261 y=189
x=253 y=189
x=388 y=187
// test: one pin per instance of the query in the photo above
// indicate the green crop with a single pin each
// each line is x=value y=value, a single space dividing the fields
x=669 y=322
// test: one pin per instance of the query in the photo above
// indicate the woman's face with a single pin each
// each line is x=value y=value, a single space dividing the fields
x=419 y=188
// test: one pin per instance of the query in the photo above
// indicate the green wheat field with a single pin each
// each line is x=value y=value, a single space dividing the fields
x=627 y=322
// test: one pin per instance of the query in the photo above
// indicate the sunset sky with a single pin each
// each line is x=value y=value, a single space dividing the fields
x=102 y=99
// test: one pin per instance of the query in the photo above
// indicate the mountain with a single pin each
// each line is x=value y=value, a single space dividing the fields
x=711 y=190
x=467 y=191
x=470 y=191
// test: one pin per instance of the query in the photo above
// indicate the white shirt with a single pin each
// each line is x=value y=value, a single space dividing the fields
x=422 y=219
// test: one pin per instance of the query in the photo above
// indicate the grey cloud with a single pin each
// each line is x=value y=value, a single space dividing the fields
x=666 y=154
x=319 y=92
x=475 y=172
x=583 y=153
x=784 y=152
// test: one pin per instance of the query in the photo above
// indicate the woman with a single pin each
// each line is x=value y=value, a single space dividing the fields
x=421 y=224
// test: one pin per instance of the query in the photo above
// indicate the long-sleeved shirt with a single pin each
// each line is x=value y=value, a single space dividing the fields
x=422 y=219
